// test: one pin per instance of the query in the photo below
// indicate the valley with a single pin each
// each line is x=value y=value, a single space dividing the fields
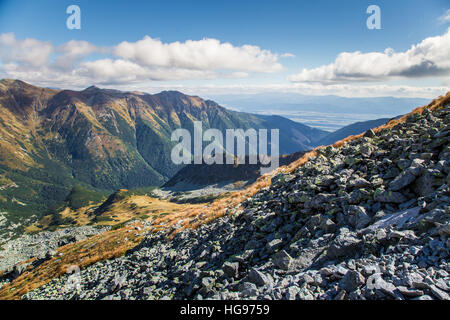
x=103 y=140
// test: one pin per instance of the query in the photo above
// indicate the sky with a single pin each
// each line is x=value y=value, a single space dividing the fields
x=317 y=47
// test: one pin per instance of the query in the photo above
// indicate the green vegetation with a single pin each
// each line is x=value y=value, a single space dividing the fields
x=81 y=197
x=58 y=220
x=118 y=226
x=142 y=191
x=103 y=219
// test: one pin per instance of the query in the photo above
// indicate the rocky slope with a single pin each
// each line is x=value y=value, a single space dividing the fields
x=41 y=246
x=367 y=220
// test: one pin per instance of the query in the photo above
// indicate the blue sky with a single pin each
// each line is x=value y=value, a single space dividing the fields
x=314 y=33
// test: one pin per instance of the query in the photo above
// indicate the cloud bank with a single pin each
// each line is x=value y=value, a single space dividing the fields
x=314 y=89
x=130 y=62
x=206 y=54
x=429 y=58
x=142 y=64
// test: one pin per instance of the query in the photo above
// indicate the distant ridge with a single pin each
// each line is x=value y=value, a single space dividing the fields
x=351 y=129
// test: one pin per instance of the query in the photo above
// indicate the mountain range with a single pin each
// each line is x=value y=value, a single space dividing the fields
x=51 y=140
x=55 y=142
x=272 y=101
x=325 y=112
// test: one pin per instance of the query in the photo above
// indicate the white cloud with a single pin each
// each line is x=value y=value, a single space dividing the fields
x=125 y=71
x=430 y=58
x=237 y=74
x=445 y=17
x=108 y=68
x=31 y=52
x=206 y=54
x=139 y=65
x=130 y=62
x=77 y=48
x=74 y=51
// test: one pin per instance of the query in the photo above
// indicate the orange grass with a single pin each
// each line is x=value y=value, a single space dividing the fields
x=108 y=245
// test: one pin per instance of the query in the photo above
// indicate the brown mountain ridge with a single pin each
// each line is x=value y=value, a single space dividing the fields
x=105 y=140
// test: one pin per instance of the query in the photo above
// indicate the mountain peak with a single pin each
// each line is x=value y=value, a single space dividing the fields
x=22 y=86
x=14 y=83
x=171 y=93
x=92 y=88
